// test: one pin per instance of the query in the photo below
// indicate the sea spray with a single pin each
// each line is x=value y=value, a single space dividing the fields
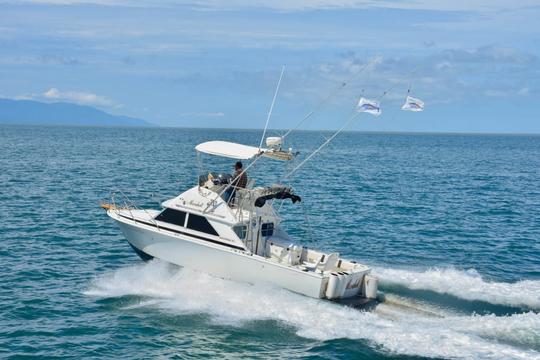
x=179 y=291
x=468 y=285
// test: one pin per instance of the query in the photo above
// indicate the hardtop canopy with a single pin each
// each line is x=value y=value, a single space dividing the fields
x=239 y=151
x=228 y=149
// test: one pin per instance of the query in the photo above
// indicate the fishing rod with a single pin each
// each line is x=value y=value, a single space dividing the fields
x=354 y=116
x=405 y=78
x=323 y=102
x=344 y=126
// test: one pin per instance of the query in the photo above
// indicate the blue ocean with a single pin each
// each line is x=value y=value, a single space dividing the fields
x=450 y=224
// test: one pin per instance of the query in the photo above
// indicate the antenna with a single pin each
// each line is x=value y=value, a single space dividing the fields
x=271 y=107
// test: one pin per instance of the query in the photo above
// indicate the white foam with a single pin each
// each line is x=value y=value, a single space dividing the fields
x=467 y=285
x=182 y=291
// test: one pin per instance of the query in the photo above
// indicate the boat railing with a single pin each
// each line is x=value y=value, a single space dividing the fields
x=240 y=202
x=238 y=198
x=245 y=201
x=126 y=204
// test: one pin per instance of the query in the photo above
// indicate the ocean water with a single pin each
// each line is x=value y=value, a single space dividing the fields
x=449 y=223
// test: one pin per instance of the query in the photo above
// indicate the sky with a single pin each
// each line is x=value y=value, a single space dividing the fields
x=216 y=63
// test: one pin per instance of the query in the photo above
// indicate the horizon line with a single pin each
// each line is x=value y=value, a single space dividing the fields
x=388 y=132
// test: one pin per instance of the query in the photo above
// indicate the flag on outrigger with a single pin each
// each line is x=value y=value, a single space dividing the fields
x=413 y=104
x=369 y=106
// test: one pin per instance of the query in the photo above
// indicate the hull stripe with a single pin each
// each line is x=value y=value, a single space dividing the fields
x=184 y=233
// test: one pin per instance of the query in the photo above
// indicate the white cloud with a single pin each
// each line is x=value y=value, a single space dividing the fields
x=444 y=65
x=507 y=92
x=75 y=2
x=437 y=5
x=76 y=97
x=301 y=5
x=444 y=75
x=79 y=97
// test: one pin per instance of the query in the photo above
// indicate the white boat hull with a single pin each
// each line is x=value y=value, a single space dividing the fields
x=218 y=260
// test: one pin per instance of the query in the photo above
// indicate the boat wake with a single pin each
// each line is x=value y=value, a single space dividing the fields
x=431 y=332
x=467 y=285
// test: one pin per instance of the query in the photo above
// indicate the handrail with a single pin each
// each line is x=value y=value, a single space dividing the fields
x=129 y=205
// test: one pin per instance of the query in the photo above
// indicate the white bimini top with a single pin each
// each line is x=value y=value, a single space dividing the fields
x=240 y=151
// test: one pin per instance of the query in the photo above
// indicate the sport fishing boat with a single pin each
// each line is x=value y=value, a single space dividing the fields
x=235 y=232
x=240 y=237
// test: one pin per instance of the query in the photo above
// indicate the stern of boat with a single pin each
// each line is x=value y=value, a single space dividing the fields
x=339 y=278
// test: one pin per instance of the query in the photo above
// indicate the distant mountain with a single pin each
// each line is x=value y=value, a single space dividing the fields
x=28 y=112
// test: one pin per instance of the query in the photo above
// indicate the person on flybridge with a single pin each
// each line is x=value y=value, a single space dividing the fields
x=240 y=180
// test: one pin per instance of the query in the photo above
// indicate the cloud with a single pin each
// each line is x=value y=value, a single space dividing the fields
x=58 y=60
x=303 y=5
x=181 y=26
x=76 y=2
x=76 y=97
x=40 y=60
x=446 y=75
x=490 y=53
x=79 y=97
x=507 y=92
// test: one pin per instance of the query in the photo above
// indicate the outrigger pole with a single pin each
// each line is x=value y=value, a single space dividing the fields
x=344 y=125
x=260 y=144
x=342 y=84
x=354 y=116
x=271 y=107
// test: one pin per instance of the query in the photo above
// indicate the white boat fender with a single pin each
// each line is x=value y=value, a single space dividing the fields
x=371 y=283
x=343 y=281
x=332 y=287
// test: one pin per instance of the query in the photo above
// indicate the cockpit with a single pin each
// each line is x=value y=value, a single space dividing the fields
x=222 y=184
x=214 y=179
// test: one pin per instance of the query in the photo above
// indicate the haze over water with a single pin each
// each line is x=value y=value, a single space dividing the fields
x=450 y=224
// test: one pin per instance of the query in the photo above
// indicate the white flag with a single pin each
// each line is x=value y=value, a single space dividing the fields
x=413 y=104
x=369 y=106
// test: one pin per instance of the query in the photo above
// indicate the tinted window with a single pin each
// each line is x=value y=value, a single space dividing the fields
x=172 y=216
x=241 y=231
x=267 y=229
x=200 y=223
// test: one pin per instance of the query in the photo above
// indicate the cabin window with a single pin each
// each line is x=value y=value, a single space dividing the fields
x=172 y=216
x=241 y=231
x=267 y=229
x=199 y=223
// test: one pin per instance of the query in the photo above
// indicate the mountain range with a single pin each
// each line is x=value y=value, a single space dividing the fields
x=30 y=112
